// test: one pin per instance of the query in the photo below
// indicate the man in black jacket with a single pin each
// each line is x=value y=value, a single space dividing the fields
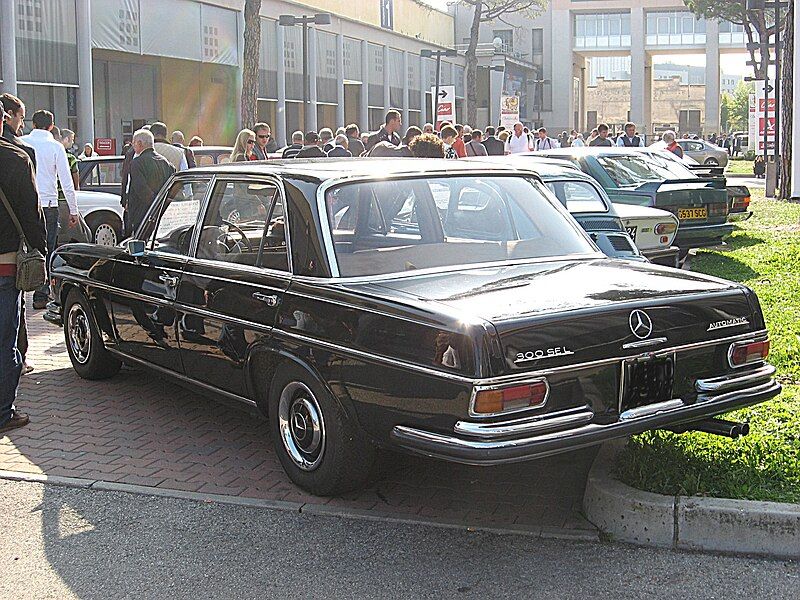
x=19 y=187
x=387 y=133
x=494 y=147
x=148 y=173
x=311 y=149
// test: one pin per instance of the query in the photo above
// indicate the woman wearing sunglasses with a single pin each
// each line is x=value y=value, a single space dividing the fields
x=243 y=149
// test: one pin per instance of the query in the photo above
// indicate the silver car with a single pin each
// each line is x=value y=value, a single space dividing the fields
x=704 y=152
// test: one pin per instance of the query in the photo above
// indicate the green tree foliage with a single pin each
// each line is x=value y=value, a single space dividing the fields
x=736 y=107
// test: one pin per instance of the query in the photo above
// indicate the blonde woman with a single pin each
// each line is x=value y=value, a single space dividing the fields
x=243 y=149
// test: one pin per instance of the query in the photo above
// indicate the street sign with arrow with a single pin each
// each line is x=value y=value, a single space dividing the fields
x=447 y=103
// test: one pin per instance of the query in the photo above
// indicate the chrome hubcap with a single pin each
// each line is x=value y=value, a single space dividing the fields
x=301 y=426
x=105 y=235
x=79 y=334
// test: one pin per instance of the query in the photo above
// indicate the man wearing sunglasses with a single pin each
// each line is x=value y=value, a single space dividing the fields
x=264 y=142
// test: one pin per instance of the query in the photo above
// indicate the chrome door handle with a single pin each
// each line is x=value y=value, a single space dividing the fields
x=168 y=280
x=271 y=300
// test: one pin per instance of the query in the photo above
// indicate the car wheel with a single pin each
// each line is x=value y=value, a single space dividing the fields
x=319 y=446
x=89 y=356
x=711 y=162
x=106 y=230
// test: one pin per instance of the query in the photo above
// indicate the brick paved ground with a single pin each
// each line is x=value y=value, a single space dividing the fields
x=140 y=429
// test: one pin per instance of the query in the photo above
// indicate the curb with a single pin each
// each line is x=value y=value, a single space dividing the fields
x=303 y=508
x=741 y=527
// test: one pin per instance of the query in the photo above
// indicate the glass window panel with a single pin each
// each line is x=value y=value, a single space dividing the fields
x=326 y=67
x=268 y=62
x=46 y=42
x=352 y=60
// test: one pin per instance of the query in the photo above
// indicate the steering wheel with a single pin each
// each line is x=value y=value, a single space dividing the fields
x=240 y=232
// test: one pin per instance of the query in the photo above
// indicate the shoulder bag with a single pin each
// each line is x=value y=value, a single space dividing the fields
x=31 y=268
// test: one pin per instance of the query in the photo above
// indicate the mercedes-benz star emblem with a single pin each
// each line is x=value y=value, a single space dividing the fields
x=641 y=325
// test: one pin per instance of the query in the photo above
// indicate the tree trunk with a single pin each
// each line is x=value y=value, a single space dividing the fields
x=252 y=49
x=787 y=68
x=472 y=68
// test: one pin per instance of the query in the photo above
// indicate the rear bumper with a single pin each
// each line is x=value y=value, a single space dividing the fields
x=663 y=256
x=700 y=236
x=479 y=444
x=739 y=216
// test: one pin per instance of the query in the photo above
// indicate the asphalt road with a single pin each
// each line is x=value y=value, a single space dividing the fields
x=75 y=543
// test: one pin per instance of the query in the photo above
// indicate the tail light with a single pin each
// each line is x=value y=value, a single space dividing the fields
x=740 y=204
x=665 y=228
x=745 y=353
x=717 y=210
x=497 y=400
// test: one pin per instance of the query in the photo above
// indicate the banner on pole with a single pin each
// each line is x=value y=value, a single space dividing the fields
x=447 y=104
x=765 y=119
x=509 y=111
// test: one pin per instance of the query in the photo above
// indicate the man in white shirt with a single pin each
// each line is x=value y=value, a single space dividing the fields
x=52 y=168
x=176 y=156
x=517 y=141
x=543 y=142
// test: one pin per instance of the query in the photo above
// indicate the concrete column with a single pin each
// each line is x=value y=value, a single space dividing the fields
x=364 y=124
x=8 y=50
x=85 y=81
x=712 y=107
x=563 y=103
x=405 y=89
x=423 y=83
x=311 y=109
x=795 y=192
x=340 y=81
x=280 y=113
x=387 y=100
x=641 y=72
x=496 y=80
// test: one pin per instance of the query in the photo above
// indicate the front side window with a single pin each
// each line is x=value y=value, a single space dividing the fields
x=578 y=196
x=176 y=217
x=245 y=224
x=391 y=226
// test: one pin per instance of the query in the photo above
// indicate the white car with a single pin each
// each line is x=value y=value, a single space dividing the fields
x=103 y=214
x=652 y=230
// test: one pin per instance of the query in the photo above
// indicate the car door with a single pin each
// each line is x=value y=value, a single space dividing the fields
x=144 y=288
x=103 y=176
x=233 y=286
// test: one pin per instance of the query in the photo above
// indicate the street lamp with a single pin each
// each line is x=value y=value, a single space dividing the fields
x=305 y=20
x=425 y=53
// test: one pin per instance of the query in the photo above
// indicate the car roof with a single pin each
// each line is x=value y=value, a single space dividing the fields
x=342 y=168
x=99 y=158
x=210 y=149
x=546 y=168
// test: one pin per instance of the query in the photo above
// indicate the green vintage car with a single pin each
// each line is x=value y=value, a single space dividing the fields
x=649 y=178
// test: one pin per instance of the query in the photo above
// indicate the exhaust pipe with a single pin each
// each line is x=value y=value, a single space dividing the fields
x=729 y=429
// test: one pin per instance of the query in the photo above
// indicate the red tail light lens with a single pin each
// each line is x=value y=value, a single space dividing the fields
x=717 y=210
x=741 y=354
x=741 y=203
x=510 y=399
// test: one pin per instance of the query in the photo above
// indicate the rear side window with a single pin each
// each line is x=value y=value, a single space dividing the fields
x=578 y=196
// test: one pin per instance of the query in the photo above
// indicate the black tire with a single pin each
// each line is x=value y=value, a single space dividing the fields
x=107 y=226
x=89 y=357
x=343 y=459
x=711 y=162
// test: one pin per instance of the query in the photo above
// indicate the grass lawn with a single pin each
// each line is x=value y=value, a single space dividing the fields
x=739 y=166
x=764 y=253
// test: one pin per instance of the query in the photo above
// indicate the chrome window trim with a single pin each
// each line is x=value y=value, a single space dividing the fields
x=539 y=423
x=327 y=235
x=514 y=377
x=498 y=386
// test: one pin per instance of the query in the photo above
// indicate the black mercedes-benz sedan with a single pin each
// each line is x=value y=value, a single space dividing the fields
x=418 y=304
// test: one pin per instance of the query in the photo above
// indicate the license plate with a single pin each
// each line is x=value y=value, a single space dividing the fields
x=647 y=382
x=687 y=214
x=632 y=232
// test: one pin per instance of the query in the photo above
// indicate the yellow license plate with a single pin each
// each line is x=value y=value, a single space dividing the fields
x=686 y=214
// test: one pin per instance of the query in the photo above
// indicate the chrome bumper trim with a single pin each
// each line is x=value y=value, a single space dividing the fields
x=732 y=382
x=651 y=409
x=529 y=425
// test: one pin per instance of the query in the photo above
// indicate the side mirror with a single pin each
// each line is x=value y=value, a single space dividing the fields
x=135 y=248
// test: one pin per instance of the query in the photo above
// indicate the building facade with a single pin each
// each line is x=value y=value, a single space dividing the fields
x=107 y=67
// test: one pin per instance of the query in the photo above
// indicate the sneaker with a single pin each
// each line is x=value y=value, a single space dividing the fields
x=15 y=422
x=26 y=368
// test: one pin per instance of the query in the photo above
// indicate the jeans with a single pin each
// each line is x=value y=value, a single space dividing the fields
x=10 y=358
x=52 y=225
x=22 y=336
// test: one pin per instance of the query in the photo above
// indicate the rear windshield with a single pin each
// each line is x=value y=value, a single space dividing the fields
x=634 y=169
x=578 y=196
x=392 y=226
